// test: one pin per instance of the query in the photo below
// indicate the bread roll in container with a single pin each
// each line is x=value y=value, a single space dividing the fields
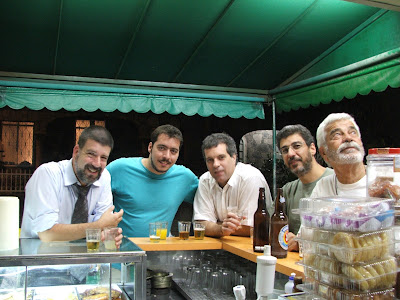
x=348 y=247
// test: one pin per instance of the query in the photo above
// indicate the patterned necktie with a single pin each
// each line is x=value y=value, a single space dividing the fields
x=80 y=214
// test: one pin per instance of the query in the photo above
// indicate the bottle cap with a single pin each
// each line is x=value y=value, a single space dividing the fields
x=240 y=292
x=267 y=250
x=384 y=151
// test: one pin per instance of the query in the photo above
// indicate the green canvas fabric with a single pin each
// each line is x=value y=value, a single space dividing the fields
x=377 y=78
x=37 y=99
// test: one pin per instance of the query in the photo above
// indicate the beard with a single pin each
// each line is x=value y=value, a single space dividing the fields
x=305 y=168
x=347 y=158
x=153 y=165
x=82 y=176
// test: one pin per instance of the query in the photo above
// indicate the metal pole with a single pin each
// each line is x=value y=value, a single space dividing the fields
x=273 y=150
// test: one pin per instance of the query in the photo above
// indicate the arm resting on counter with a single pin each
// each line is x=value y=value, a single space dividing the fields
x=225 y=228
x=70 y=232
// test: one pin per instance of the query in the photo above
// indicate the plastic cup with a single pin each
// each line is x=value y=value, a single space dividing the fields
x=184 y=229
x=110 y=233
x=199 y=230
x=154 y=232
x=93 y=236
x=162 y=230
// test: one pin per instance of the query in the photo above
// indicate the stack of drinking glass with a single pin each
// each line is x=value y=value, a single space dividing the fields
x=212 y=274
x=348 y=247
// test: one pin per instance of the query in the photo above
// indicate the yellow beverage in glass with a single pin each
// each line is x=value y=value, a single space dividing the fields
x=199 y=233
x=93 y=246
x=162 y=233
x=154 y=238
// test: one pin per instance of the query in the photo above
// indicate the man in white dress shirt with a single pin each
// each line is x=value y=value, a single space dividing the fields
x=52 y=192
x=227 y=184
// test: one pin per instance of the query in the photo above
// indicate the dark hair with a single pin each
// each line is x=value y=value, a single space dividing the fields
x=97 y=133
x=293 y=129
x=213 y=140
x=169 y=130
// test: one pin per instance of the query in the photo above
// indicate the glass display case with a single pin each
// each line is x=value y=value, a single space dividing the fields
x=65 y=270
x=210 y=274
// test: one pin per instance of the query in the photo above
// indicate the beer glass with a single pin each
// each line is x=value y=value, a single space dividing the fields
x=199 y=230
x=184 y=229
x=93 y=236
x=154 y=232
x=110 y=233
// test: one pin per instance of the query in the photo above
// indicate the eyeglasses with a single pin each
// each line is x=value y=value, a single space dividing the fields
x=295 y=146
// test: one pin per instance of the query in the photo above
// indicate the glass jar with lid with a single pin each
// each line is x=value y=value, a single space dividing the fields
x=383 y=173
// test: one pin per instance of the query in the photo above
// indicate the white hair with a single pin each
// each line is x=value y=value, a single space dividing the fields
x=321 y=141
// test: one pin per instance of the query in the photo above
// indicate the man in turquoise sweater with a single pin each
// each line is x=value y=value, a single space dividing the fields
x=152 y=189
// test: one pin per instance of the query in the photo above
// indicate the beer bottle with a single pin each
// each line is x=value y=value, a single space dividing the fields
x=261 y=224
x=279 y=227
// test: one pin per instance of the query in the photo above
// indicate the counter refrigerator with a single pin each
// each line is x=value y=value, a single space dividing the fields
x=65 y=270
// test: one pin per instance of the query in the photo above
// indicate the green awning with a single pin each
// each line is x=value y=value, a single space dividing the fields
x=220 y=105
x=377 y=78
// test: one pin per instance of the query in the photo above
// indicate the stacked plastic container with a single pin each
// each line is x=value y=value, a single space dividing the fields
x=348 y=247
x=383 y=180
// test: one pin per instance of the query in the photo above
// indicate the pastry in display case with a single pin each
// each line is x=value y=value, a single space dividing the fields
x=348 y=247
x=65 y=270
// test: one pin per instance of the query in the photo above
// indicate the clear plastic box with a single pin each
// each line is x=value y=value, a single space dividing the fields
x=360 y=277
x=361 y=214
x=329 y=292
x=347 y=247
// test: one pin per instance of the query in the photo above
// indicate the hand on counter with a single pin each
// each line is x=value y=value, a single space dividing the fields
x=118 y=237
x=293 y=245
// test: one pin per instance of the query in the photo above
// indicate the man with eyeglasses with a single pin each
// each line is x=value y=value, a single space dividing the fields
x=298 y=150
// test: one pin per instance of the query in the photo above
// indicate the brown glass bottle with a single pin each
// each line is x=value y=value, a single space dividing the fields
x=261 y=224
x=279 y=227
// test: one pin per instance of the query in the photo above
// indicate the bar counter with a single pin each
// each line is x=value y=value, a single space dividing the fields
x=241 y=246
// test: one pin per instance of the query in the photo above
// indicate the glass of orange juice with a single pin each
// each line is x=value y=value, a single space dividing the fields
x=162 y=230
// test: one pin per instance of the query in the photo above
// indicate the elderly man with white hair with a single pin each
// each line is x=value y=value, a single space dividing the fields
x=340 y=145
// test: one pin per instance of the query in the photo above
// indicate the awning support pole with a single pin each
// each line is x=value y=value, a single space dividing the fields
x=273 y=149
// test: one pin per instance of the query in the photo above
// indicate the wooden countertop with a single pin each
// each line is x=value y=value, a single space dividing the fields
x=241 y=246
x=175 y=244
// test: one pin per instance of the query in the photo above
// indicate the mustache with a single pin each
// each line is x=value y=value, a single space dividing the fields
x=348 y=145
x=93 y=168
x=294 y=159
x=166 y=160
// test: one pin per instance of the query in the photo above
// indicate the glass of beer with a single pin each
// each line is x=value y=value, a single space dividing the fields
x=154 y=232
x=162 y=230
x=184 y=229
x=110 y=233
x=199 y=230
x=93 y=236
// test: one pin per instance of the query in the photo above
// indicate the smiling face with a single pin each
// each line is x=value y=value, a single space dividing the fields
x=163 y=154
x=220 y=164
x=89 y=162
x=343 y=143
x=296 y=155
